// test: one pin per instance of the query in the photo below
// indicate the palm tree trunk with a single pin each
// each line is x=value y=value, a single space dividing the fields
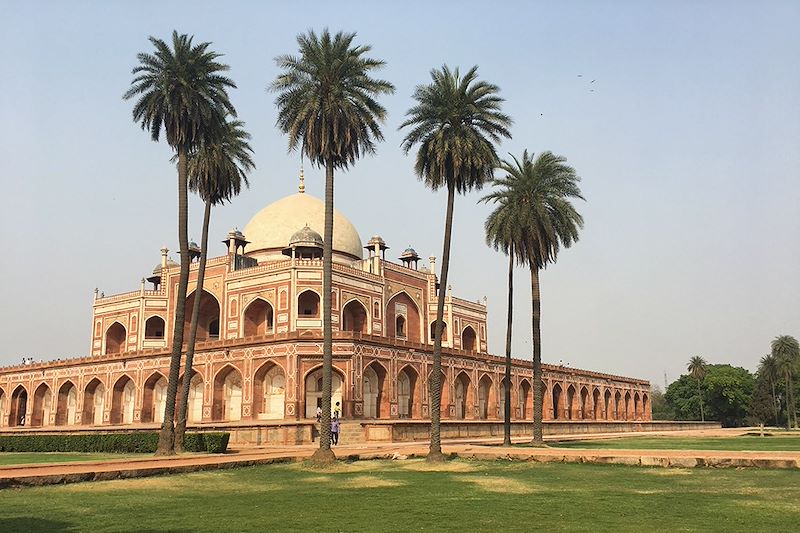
x=166 y=439
x=774 y=401
x=435 y=385
x=507 y=391
x=791 y=408
x=180 y=430
x=700 y=395
x=536 y=315
x=324 y=454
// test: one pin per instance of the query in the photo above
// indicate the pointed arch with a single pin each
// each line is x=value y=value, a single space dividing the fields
x=627 y=405
x=558 y=410
x=583 y=412
x=607 y=415
x=154 y=327
x=154 y=398
x=469 y=339
x=227 y=395
x=313 y=390
x=645 y=407
x=462 y=397
x=3 y=402
x=617 y=405
x=355 y=317
x=67 y=404
x=42 y=406
x=408 y=392
x=433 y=331
x=115 y=338
x=269 y=391
x=19 y=407
x=376 y=397
x=259 y=318
x=525 y=397
x=94 y=402
x=196 y=393
x=208 y=318
x=308 y=304
x=123 y=400
x=403 y=318
x=637 y=406
x=487 y=398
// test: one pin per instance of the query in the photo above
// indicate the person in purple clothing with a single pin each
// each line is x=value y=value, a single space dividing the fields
x=335 y=430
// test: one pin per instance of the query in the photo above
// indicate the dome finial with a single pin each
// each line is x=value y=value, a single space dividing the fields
x=302 y=187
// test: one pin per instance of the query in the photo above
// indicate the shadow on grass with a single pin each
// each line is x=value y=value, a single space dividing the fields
x=30 y=524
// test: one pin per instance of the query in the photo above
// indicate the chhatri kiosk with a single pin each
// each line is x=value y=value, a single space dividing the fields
x=259 y=351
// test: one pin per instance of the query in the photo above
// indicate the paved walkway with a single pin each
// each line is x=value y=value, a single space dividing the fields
x=57 y=473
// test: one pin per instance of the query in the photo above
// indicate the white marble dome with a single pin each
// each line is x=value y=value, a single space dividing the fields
x=271 y=229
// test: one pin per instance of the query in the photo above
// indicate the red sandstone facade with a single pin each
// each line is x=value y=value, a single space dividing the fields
x=260 y=340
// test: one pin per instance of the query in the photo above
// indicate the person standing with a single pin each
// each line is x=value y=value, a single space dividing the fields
x=335 y=430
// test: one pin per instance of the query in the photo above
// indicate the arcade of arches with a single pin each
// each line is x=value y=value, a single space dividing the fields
x=229 y=387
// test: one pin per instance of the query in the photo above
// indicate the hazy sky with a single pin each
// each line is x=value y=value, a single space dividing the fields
x=686 y=140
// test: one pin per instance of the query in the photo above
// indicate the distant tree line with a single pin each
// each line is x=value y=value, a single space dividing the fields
x=734 y=396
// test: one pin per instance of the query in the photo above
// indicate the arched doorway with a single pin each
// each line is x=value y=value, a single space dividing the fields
x=584 y=413
x=637 y=413
x=402 y=318
x=557 y=402
x=407 y=381
x=607 y=405
x=308 y=305
x=313 y=390
x=123 y=400
x=269 y=392
x=18 y=408
x=485 y=398
x=154 y=401
x=501 y=401
x=67 y=405
x=627 y=405
x=207 y=318
x=570 y=407
x=433 y=332
x=468 y=339
x=227 y=404
x=525 y=400
x=3 y=419
x=42 y=404
x=596 y=404
x=354 y=317
x=115 y=338
x=94 y=402
x=376 y=403
x=461 y=400
x=645 y=413
x=154 y=328
x=258 y=318
x=617 y=405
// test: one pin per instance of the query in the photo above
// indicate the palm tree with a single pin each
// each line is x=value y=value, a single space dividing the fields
x=503 y=232
x=327 y=106
x=535 y=196
x=697 y=367
x=216 y=173
x=182 y=91
x=768 y=368
x=455 y=122
x=786 y=352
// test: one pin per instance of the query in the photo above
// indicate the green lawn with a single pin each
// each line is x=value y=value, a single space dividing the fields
x=410 y=496
x=9 y=458
x=777 y=442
